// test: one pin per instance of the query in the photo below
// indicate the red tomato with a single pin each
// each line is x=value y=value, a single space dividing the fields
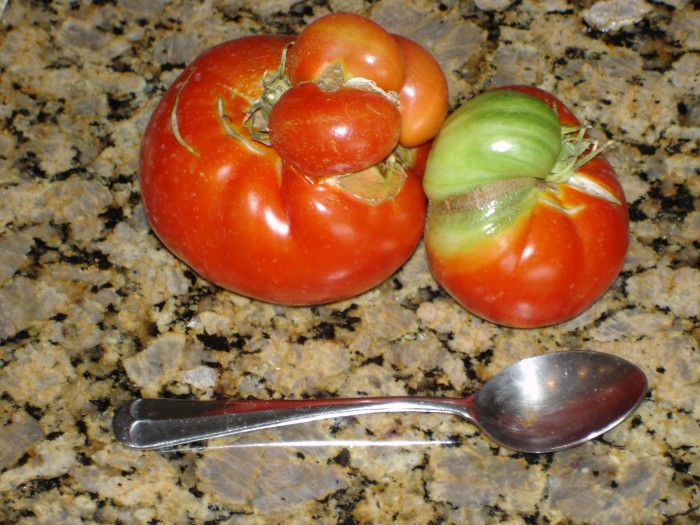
x=509 y=240
x=362 y=47
x=424 y=97
x=326 y=133
x=247 y=221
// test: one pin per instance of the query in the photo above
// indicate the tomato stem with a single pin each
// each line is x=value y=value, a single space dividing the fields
x=576 y=150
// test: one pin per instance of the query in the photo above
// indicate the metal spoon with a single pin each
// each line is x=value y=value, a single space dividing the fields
x=540 y=404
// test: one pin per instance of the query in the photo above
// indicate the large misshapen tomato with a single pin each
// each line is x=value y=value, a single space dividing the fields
x=523 y=229
x=230 y=208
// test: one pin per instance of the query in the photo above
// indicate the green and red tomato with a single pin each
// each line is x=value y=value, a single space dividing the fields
x=527 y=224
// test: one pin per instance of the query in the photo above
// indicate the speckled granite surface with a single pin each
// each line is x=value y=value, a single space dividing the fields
x=93 y=310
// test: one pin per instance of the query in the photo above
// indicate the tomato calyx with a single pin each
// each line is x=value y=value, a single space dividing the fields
x=578 y=150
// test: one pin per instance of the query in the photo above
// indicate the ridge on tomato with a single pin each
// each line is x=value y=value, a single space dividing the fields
x=527 y=223
x=235 y=212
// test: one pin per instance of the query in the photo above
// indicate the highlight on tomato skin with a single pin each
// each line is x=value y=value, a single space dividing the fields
x=526 y=247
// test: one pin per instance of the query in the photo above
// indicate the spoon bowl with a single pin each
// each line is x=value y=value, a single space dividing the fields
x=540 y=404
x=558 y=400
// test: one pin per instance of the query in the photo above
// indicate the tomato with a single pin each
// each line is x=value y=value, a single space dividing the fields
x=424 y=97
x=248 y=221
x=362 y=48
x=326 y=133
x=527 y=226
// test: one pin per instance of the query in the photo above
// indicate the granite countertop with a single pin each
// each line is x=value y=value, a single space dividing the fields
x=95 y=311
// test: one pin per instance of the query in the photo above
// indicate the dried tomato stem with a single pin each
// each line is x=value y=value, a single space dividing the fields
x=576 y=150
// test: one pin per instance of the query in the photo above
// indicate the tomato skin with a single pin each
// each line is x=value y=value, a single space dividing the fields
x=244 y=219
x=325 y=133
x=526 y=252
x=424 y=96
x=362 y=47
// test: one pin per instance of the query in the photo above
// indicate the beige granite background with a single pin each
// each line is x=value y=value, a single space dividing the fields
x=94 y=311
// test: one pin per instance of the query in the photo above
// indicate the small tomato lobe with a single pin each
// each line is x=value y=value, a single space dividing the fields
x=324 y=133
x=362 y=47
x=424 y=97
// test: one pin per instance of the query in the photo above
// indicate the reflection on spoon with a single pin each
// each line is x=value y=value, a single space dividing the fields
x=540 y=404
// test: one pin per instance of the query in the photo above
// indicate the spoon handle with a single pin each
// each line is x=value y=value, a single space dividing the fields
x=160 y=423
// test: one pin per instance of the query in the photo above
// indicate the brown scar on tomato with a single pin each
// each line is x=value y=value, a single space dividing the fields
x=568 y=210
x=373 y=185
x=225 y=120
x=482 y=197
x=591 y=187
x=174 y=119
